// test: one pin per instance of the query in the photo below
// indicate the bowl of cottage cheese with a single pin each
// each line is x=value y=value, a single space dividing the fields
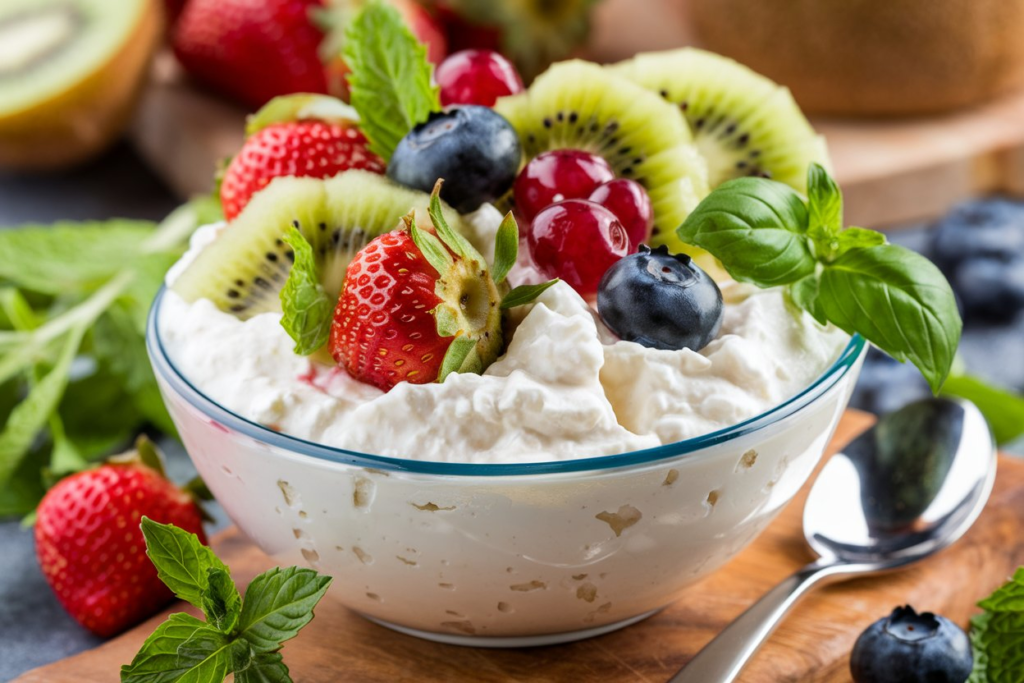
x=577 y=485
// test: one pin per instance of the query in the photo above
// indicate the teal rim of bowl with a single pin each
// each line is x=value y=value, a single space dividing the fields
x=254 y=430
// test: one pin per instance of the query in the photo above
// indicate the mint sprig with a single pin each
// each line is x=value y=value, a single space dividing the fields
x=390 y=77
x=996 y=635
x=764 y=233
x=306 y=306
x=239 y=636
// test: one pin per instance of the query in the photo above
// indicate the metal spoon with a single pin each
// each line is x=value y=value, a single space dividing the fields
x=903 y=490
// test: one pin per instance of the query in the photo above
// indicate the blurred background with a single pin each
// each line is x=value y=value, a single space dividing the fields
x=127 y=108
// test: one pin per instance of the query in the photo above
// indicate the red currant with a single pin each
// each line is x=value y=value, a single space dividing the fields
x=577 y=241
x=557 y=175
x=628 y=200
x=476 y=77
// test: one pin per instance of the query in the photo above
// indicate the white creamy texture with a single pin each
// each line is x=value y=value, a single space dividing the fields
x=564 y=389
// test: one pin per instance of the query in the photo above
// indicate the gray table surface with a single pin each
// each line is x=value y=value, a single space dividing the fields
x=34 y=629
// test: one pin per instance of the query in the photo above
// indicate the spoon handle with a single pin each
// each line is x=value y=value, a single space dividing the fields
x=723 y=658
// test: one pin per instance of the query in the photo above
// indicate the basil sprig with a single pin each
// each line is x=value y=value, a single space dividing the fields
x=764 y=233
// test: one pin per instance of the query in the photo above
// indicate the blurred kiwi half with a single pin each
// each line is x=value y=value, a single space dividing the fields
x=70 y=71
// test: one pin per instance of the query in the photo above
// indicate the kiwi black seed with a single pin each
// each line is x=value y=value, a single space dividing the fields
x=743 y=123
x=244 y=269
x=579 y=105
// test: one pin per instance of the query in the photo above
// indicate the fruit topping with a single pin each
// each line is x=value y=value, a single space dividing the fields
x=473 y=148
x=313 y=148
x=577 y=105
x=419 y=305
x=91 y=549
x=660 y=300
x=577 y=241
x=244 y=269
x=557 y=175
x=628 y=200
x=907 y=647
x=476 y=77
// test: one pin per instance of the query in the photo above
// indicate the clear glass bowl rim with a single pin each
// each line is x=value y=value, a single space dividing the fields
x=182 y=386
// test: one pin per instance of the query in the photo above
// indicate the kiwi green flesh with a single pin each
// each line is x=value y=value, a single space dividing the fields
x=47 y=46
x=743 y=123
x=243 y=270
x=576 y=105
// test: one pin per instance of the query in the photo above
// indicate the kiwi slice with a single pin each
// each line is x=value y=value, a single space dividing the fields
x=70 y=71
x=244 y=269
x=580 y=105
x=744 y=124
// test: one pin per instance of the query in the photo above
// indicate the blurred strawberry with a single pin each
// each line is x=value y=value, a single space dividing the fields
x=90 y=546
x=251 y=50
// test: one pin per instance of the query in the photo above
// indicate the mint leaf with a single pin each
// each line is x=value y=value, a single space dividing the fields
x=1007 y=598
x=824 y=204
x=899 y=301
x=1003 y=410
x=277 y=604
x=524 y=294
x=390 y=77
x=181 y=561
x=265 y=667
x=307 y=308
x=221 y=602
x=757 y=228
x=506 y=248
x=998 y=655
x=183 y=649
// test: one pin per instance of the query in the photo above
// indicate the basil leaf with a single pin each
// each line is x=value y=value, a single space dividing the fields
x=524 y=294
x=221 y=602
x=857 y=238
x=183 y=649
x=899 y=301
x=804 y=293
x=390 y=77
x=756 y=228
x=1003 y=410
x=824 y=203
x=181 y=561
x=265 y=667
x=308 y=310
x=506 y=248
x=277 y=604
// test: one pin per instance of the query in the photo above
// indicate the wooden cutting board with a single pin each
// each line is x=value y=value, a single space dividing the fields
x=812 y=645
x=891 y=172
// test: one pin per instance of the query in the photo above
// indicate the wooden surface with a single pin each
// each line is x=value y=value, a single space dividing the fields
x=812 y=645
x=891 y=171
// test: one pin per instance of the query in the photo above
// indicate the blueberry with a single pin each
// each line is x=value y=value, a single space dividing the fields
x=660 y=300
x=907 y=647
x=474 y=149
x=990 y=287
x=991 y=228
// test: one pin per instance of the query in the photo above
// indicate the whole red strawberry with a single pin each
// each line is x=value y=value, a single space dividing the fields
x=314 y=148
x=415 y=307
x=251 y=50
x=92 y=551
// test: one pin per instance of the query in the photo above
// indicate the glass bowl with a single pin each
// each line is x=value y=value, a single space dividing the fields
x=512 y=554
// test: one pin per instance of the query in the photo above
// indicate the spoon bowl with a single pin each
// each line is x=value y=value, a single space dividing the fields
x=902 y=491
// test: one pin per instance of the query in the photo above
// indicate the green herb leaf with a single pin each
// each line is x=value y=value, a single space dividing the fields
x=1003 y=410
x=308 y=310
x=390 y=77
x=221 y=602
x=804 y=294
x=460 y=358
x=183 y=649
x=456 y=242
x=857 y=238
x=181 y=561
x=997 y=634
x=524 y=294
x=1007 y=598
x=278 y=603
x=899 y=301
x=824 y=204
x=506 y=248
x=265 y=667
x=433 y=250
x=757 y=228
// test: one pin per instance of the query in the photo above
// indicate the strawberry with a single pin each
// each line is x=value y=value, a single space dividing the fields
x=416 y=306
x=251 y=50
x=308 y=147
x=91 y=549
